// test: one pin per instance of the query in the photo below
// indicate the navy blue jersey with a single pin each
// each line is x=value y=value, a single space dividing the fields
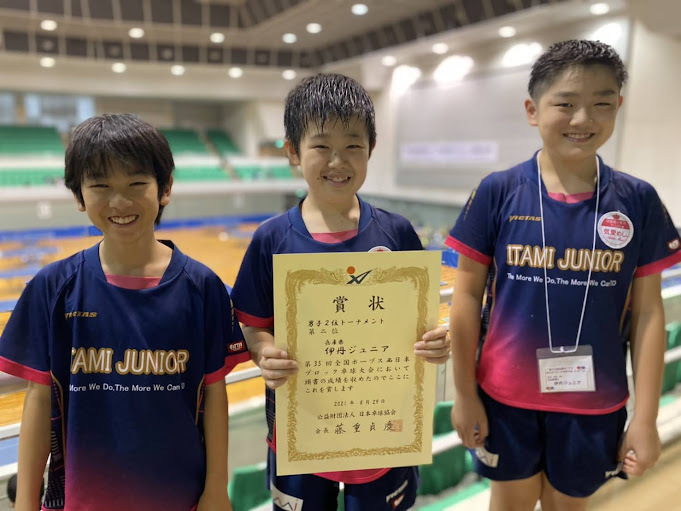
x=127 y=370
x=253 y=293
x=500 y=226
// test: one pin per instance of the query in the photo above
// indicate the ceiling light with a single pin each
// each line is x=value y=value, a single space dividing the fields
x=440 y=48
x=235 y=72
x=453 y=69
x=289 y=38
x=217 y=38
x=289 y=74
x=599 y=8
x=177 y=70
x=610 y=33
x=359 y=9
x=47 y=62
x=313 y=28
x=119 y=67
x=507 y=31
x=521 y=54
x=48 y=25
x=404 y=77
x=388 y=61
x=136 y=33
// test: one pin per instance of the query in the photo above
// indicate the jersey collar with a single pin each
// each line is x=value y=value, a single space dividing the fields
x=177 y=261
x=530 y=171
x=296 y=217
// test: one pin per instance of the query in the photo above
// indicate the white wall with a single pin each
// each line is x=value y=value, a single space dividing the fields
x=651 y=141
x=157 y=112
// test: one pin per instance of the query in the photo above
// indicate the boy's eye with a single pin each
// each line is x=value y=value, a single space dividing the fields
x=98 y=185
x=319 y=146
x=138 y=183
x=355 y=146
x=603 y=104
x=564 y=105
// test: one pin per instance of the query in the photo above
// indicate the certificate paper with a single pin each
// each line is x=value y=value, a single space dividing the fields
x=361 y=398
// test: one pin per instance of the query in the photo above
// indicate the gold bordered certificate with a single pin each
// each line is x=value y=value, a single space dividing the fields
x=361 y=399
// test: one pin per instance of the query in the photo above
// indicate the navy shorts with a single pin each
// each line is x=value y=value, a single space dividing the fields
x=578 y=453
x=396 y=490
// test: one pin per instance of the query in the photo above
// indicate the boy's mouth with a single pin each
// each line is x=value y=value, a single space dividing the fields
x=123 y=220
x=578 y=137
x=337 y=179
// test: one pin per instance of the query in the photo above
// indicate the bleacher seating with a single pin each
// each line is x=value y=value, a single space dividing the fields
x=197 y=174
x=223 y=144
x=30 y=176
x=30 y=140
x=184 y=142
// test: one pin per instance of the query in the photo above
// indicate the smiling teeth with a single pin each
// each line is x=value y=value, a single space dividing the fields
x=578 y=135
x=122 y=220
x=337 y=179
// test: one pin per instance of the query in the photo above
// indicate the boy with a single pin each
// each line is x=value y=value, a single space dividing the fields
x=577 y=249
x=124 y=345
x=330 y=133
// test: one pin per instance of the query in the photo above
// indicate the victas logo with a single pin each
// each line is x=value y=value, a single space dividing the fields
x=356 y=279
x=80 y=314
x=236 y=346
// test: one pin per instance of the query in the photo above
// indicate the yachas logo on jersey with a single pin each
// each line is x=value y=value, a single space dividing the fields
x=615 y=229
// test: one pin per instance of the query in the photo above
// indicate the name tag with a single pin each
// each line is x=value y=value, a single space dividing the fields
x=566 y=372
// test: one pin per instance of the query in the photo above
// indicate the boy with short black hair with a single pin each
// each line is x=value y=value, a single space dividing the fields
x=125 y=346
x=330 y=133
x=570 y=251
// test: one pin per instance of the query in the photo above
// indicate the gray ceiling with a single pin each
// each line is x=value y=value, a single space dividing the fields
x=178 y=30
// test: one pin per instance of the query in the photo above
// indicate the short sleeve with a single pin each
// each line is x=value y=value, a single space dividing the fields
x=24 y=345
x=474 y=233
x=660 y=244
x=409 y=240
x=224 y=342
x=252 y=292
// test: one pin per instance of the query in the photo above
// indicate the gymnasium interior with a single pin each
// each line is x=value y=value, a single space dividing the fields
x=448 y=80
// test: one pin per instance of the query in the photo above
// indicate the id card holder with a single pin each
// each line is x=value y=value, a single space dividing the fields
x=566 y=371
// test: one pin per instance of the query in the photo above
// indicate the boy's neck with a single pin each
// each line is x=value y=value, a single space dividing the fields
x=141 y=259
x=567 y=177
x=330 y=217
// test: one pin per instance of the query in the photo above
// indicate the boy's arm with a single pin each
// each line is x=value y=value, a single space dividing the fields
x=647 y=355
x=274 y=363
x=216 y=431
x=34 y=446
x=468 y=413
x=434 y=346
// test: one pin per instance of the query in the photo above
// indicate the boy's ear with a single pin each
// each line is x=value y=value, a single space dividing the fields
x=531 y=111
x=619 y=103
x=79 y=204
x=371 y=149
x=293 y=157
x=165 y=196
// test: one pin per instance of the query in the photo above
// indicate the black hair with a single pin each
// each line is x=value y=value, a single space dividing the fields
x=122 y=139
x=561 y=56
x=12 y=489
x=323 y=97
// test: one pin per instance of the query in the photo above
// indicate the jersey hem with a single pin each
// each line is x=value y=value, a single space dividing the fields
x=468 y=251
x=555 y=409
x=658 y=266
x=234 y=360
x=255 y=321
x=25 y=372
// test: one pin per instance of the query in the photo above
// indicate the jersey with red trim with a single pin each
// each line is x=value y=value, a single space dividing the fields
x=287 y=234
x=500 y=226
x=127 y=370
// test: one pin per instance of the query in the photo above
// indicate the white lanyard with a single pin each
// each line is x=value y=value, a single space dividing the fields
x=562 y=349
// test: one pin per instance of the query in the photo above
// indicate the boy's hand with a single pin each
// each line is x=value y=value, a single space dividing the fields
x=276 y=367
x=214 y=500
x=470 y=420
x=640 y=448
x=434 y=346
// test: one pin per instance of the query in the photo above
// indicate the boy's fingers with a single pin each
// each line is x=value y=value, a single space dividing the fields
x=438 y=333
x=278 y=364
x=272 y=352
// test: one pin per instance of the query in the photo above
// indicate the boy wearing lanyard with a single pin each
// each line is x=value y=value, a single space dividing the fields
x=570 y=253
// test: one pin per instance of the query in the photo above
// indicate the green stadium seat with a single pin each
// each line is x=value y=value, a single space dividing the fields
x=30 y=141
x=672 y=370
x=280 y=172
x=249 y=172
x=247 y=488
x=199 y=174
x=448 y=467
x=184 y=142
x=223 y=144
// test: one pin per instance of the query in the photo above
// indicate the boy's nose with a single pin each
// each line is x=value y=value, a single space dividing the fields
x=580 y=117
x=336 y=158
x=118 y=201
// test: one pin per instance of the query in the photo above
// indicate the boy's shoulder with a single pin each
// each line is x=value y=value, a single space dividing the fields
x=629 y=184
x=274 y=228
x=388 y=218
x=508 y=179
x=56 y=274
